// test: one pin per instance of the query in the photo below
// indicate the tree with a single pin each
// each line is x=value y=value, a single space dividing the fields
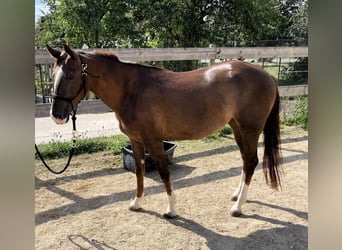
x=294 y=19
x=203 y=22
x=171 y=23
x=298 y=28
x=96 y=23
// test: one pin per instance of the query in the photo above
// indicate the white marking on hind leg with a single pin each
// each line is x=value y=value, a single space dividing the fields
x=134 y=205
x=238 y=190
x=242 y=198
x=170 y=211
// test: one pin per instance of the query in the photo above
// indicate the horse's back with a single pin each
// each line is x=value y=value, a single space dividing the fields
x=223 y=90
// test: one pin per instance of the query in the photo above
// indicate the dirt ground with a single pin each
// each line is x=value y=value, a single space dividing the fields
x=87 y=206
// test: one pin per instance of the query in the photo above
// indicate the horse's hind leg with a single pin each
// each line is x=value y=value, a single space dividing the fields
x=238 y=139
x=139 y=157
x=247 y=140
x=156 y=149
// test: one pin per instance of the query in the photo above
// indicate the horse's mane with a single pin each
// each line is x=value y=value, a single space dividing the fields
x=108 y=55
x=111 y=56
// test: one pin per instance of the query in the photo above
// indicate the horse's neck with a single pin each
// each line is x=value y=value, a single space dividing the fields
x=116 y=80
x=109 y=86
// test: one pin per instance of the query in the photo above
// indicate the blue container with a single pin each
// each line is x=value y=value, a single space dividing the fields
x=129 y=163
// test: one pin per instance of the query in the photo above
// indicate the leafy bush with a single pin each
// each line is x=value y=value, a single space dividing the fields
x=227 y=130
x=300 y=115
x=295 y=72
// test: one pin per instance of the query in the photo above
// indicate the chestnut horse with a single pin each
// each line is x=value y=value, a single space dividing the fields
x=153 y=104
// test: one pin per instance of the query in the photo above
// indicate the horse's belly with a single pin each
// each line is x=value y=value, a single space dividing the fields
x=194 y=127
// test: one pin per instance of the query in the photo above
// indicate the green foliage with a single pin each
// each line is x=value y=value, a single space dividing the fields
x=114 y=144
x=54 y=149
x=299 y=21
x=300 y=115
x=227 y=130
x=57 y=149
x=170 y=23
x=95 y=23
x=296 y=71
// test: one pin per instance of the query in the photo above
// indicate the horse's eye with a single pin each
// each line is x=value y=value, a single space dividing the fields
x=70 y=76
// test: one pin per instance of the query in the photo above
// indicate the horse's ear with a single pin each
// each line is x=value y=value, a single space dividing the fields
x=53 y=52
x=69 y=51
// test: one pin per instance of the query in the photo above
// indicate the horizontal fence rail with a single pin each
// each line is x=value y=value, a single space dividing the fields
x=179 y=54
x=97 y=106
x=295 y=90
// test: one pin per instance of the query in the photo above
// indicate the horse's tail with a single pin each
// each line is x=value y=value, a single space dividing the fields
x=272 y=154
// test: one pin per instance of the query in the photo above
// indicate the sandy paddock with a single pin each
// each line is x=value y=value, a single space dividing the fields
x=87 y=206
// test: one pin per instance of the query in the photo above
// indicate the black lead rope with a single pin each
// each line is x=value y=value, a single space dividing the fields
x=71 y=150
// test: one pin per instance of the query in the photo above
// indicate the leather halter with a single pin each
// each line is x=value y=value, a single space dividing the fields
x=69 y=100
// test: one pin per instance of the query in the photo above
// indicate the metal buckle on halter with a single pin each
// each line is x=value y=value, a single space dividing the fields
x=74 y=137
x=84 y=69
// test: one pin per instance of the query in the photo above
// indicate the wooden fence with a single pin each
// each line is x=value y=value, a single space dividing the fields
x=97 y=106
x=177 y=54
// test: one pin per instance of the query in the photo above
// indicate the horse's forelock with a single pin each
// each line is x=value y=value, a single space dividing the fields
x=61 y=58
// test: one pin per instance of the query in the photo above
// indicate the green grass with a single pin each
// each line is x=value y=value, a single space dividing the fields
x=56 y=149
x=114 y=144
x=227 y=130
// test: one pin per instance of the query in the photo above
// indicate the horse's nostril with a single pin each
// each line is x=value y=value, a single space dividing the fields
x=58 y=116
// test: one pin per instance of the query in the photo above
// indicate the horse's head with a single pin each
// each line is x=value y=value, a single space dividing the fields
x=69 y=85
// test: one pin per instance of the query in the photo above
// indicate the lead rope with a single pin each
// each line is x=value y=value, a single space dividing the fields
x=71 y=150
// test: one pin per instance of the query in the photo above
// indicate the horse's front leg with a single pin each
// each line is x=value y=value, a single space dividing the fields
x=156 y=149
x=139 y=157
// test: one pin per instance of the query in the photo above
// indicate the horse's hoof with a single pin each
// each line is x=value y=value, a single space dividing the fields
x=135 y=204
x=135 y=208
x=235 y=213
x=169 y=215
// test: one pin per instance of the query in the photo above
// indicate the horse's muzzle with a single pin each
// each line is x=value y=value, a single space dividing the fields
x=59 y=119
